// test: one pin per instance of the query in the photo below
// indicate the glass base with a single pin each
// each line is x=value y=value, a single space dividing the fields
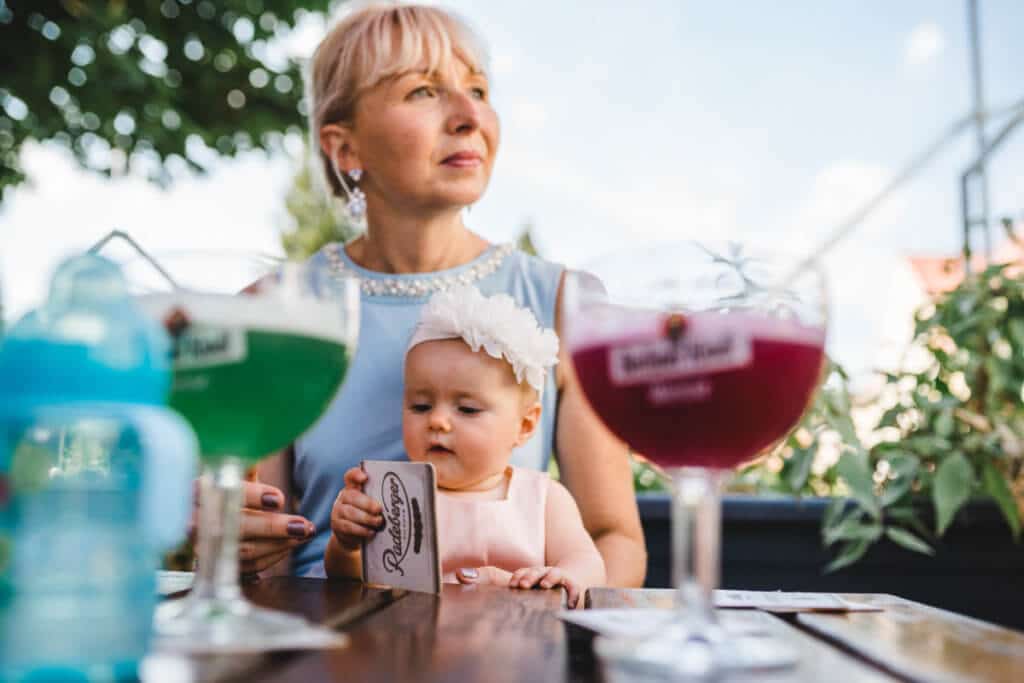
x=683 y=652
x=210 y=626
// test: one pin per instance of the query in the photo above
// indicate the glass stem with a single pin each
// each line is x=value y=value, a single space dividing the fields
x=220 y=508
x=696 y=532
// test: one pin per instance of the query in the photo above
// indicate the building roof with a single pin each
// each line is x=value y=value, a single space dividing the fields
x=940 y=274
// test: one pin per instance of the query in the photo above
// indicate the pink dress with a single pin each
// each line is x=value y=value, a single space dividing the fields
x=505 y=533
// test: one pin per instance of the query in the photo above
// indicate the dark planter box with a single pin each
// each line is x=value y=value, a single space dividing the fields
x=775 y=544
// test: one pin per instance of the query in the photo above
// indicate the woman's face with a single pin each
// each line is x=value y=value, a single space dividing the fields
x=426 y=141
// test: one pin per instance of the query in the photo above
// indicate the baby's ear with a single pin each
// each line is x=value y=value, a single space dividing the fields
x=528 y=423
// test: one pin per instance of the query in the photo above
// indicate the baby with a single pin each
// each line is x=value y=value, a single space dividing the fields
x=474 y=370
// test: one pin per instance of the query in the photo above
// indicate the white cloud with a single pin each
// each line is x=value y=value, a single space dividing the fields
x=924 y=44
x=839 y=190
x=528 y=114
x=872 y=290
x=662 y=206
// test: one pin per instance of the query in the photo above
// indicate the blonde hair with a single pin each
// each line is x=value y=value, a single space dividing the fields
x=374 y=43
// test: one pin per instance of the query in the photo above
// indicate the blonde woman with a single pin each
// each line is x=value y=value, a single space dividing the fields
x=400 y=111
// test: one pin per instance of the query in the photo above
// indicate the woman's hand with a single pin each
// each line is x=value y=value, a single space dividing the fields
x=355 y=517
x=266 y=535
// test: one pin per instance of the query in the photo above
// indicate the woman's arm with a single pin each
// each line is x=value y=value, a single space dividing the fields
x=594 y=465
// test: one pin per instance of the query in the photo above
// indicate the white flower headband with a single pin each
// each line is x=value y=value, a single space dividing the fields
x=496 y=325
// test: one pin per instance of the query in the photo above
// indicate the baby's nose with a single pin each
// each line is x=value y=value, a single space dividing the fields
x=439 y=421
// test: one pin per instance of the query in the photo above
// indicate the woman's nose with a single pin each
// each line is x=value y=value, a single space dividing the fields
x=464 y=114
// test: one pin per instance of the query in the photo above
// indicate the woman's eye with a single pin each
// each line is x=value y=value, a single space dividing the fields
x=419 y=407
x=422 y=91
x=467 y=410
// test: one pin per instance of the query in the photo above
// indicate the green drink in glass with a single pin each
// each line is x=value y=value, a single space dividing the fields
x=252 y=372
x=231 y=380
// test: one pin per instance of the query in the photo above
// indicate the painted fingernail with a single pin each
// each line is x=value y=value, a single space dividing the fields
x=269 y=501
x=380 y=524
x=297 y=529
x=469 y=573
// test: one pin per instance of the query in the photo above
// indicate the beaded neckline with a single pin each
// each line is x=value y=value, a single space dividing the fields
x=418 y=285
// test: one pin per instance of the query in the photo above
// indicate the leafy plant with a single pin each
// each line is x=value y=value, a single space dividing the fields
x=954 y=428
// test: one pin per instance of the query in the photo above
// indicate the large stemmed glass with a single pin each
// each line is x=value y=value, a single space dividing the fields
x=252 y=371
x=699 y=356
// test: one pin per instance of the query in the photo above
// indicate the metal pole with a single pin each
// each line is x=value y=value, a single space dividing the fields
x=971 y=218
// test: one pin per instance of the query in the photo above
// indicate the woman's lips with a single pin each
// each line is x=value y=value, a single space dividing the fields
x=463 y=160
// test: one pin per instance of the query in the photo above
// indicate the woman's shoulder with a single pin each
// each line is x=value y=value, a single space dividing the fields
x=533 y=266
x=531 y=280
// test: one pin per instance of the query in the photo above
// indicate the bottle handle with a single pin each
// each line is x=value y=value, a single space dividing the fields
x=165 y=505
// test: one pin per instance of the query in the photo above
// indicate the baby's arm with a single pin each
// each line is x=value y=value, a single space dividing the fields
x=572 y=558
x=355 y=517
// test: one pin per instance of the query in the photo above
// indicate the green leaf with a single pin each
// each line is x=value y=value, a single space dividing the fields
x=833 y=512
x=908 y=540
x=889 y=417
x=903 y=469
x=799 y=462
x=944 y=424
x=844 y=425
x=954 y=480
x=995 y=485
x=853 y=529
x=853 y=468
x=850 y=553
x=1016 y=326
x=910 y=517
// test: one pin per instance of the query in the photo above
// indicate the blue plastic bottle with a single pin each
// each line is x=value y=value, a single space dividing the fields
x=95 y=480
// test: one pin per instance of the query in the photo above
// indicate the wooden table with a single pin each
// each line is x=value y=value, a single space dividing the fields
x=486 y=633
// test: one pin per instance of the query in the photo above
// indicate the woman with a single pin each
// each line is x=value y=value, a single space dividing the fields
x=401 y=114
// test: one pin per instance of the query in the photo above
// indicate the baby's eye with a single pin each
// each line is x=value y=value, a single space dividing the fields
x=479 y=93
x=468 y=410
x=419 y=407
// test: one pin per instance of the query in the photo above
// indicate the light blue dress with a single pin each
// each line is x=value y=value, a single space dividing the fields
x=365 y=420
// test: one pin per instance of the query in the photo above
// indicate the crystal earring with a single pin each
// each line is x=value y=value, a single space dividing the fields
x=355 y=203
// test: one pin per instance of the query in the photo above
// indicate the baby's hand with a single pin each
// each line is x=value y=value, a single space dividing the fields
x=547 y=577
x=355 y=516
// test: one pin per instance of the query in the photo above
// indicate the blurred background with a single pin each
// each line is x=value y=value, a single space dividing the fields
x=180 y=121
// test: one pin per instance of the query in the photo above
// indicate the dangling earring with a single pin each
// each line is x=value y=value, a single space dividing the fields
x=355 y=204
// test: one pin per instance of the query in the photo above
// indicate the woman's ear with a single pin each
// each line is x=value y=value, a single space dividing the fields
x=528 y=423
x=338 y=143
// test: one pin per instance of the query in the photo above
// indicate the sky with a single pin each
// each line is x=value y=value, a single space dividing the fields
x=628 y=123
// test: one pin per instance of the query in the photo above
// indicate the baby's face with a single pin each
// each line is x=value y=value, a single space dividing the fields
x=463 y=412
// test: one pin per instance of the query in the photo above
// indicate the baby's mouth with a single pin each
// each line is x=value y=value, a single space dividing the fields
x=438 y=449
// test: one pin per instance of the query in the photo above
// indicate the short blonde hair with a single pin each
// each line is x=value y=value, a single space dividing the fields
x=374 y=43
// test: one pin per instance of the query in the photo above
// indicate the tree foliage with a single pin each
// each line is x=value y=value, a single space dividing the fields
x=318 y=219
x=151 y=84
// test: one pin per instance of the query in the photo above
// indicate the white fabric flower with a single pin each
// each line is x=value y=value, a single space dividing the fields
x=496 y=325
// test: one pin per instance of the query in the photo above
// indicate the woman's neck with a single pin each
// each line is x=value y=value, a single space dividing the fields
x=396 y=243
